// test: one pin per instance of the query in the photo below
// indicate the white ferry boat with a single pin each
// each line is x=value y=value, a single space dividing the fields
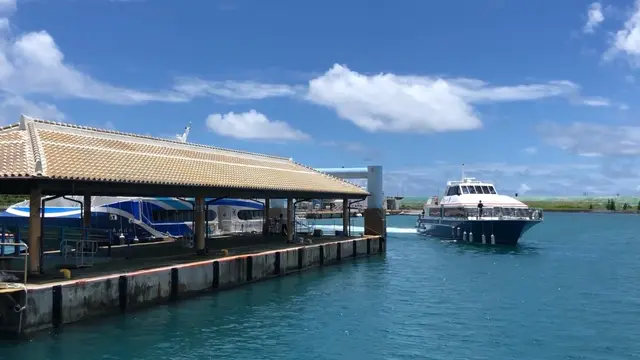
x=473 y=211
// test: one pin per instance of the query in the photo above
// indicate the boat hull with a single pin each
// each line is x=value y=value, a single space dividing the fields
x=505 y=232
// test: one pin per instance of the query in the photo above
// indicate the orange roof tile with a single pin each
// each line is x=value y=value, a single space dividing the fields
x=38 y=148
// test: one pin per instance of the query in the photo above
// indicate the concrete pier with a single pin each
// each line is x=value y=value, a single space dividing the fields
x=53 y=304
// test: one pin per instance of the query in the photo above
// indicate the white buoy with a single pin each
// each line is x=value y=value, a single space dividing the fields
x=135 y=239
x=493 y=239
x=121 y=237
x=470 y=237
x=484 y=239
x=458 y=232
x=464 y=236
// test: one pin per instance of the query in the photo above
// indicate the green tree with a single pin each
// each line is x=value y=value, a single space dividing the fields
x=625 y=207
x=638 y=205
x=613 y=205
x=591 y=206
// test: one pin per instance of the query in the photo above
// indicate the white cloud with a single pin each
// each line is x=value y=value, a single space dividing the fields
x=596 y=101
x=523 y=189
x=238 y=90
x=596 y=178
x=530 y=150
x=7 y=6
x=592 y=140
x=252 y=125
x=594 y=18
x=11 y=106
x=399 y=103
x=33 y=64
x=626 y=41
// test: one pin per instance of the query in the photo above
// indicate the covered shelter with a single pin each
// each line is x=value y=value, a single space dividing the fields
x=39 y=157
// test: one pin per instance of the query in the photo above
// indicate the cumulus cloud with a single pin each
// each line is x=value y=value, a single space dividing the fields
x=530 y=150
x=592 y=140
x=32 y=63
x=252 y=125
x=626 y=40
x=405 y=103
x=594 y=18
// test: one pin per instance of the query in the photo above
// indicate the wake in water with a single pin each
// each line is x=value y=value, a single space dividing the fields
x=357 y=229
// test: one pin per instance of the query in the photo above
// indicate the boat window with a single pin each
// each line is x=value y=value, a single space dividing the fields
x=465 y=190
x=492 y=190
x=485 y=189
x=250 y=214
x=478 y=189
x=177 y=216
x=472 y=190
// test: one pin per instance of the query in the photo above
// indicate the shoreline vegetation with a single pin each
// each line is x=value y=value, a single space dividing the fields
x=604 y=205
x=415 y=205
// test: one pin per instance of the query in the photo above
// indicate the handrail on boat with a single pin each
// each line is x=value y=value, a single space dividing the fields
x=502 y=213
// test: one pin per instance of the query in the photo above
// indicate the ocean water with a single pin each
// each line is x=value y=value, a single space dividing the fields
x=571 y=290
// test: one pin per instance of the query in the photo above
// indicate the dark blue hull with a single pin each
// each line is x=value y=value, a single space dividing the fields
x=505 y=232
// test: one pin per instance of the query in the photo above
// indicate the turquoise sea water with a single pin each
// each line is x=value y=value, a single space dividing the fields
x=571 y=290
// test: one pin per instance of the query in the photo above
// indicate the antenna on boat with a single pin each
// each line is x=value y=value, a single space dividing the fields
x=183 y=137
x=462 y=172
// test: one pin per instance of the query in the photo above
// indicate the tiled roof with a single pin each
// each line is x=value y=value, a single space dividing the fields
x=44 y=149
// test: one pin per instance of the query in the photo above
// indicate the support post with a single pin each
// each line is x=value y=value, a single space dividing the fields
x=345 y=216
x=375 y=215
x=86 y=217
x=290 y=220
x=199 y=225
x=35 y=231
x=265 y=219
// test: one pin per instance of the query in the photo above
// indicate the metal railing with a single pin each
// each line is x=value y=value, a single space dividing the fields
x=18 y=251
x=501 y=213
x=242 y=226
x=82 y=248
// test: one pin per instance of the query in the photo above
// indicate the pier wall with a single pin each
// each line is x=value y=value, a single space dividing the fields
x=53 y=305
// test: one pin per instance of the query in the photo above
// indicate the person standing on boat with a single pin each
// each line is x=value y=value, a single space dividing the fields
x=480 y=206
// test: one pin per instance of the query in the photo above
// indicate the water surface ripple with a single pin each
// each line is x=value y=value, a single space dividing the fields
x=570 y=291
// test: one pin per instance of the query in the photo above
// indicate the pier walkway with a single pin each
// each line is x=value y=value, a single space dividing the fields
x=49 y=160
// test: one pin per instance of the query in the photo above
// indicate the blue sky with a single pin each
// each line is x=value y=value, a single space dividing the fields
x=537 y=96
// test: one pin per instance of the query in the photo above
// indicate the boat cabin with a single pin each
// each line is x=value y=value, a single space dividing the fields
x=469 y=186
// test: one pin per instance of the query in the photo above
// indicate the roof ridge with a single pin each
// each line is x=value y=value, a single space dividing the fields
x=9 y=126
x=148 y=137
x=36 y=146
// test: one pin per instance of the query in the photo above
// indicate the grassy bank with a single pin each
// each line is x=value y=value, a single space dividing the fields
x=583 y=205
x=572 y=205
x=7 y=200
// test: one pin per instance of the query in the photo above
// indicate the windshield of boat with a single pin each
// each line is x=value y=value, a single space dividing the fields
x=478 y=189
